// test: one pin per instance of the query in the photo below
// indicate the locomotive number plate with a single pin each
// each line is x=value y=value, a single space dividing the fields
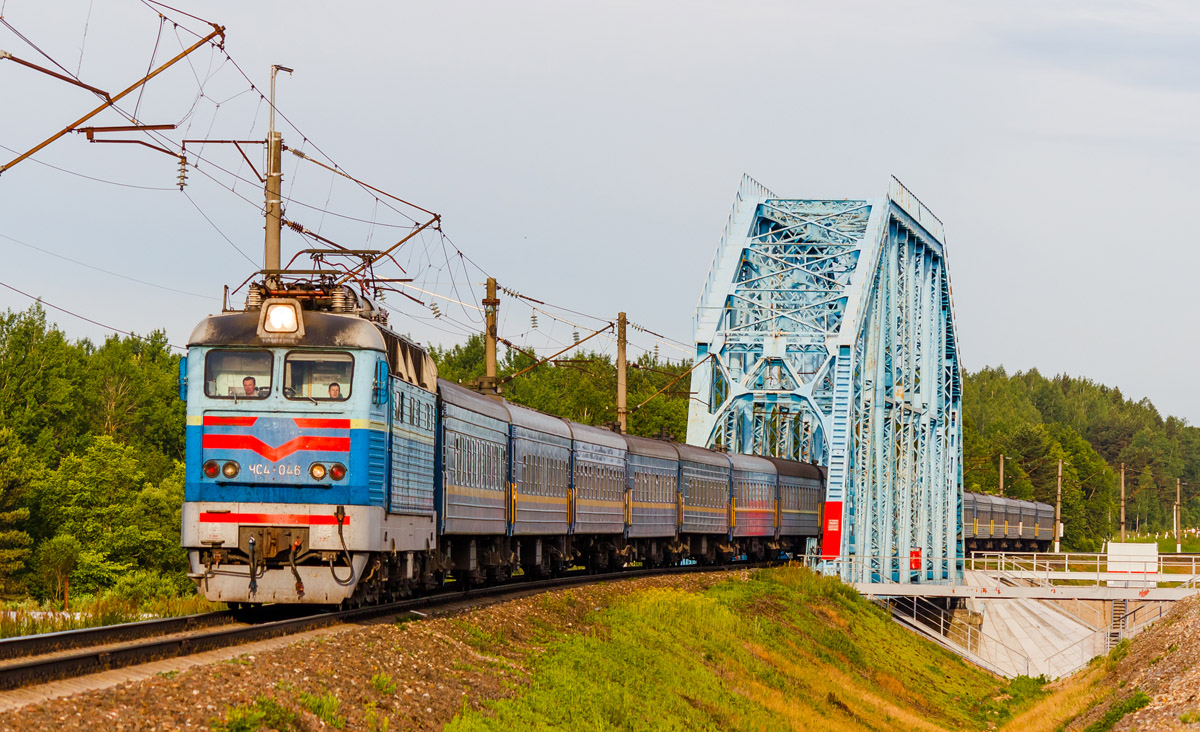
x=268 y=471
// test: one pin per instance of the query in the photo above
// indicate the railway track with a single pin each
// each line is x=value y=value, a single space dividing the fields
x=40 y=659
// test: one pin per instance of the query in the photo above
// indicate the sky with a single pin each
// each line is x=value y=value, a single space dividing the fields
x=587 y=154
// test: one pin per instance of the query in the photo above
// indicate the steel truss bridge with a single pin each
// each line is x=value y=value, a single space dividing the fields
x=826 y=334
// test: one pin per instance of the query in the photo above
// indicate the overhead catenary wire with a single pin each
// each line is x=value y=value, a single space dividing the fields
x=101 y=269
x=83 y=317
x=218 y=230
x=88 y=177
x=198 y=159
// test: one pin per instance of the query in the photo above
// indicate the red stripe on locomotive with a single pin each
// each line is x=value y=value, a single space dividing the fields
x=287 y=519
x=315 y=443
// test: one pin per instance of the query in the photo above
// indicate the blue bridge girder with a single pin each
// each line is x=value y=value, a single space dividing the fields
x=826 y=334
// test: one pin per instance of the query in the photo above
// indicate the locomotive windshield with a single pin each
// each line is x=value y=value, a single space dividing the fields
x=317 y=375
x=238 y=374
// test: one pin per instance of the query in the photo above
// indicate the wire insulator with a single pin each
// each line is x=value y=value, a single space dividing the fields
x=575 y=336
x=533 y=321
x=182 y=172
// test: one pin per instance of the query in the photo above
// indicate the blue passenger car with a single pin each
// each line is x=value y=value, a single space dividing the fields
x=541 y=461
x=654 y=486
x=597 y=481
x=473 y=493
x=755 y=490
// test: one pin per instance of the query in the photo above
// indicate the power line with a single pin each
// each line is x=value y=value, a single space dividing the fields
x=215 y=228
x=87 y=177
x=101 y=269
x=81 y=317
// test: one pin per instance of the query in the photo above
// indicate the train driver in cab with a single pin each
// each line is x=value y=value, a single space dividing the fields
x=335 y=390
x=250 y=386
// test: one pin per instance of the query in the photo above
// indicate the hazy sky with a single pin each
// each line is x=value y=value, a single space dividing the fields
x=587 y=154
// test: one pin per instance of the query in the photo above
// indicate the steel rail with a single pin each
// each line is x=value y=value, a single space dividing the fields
x=43 y=670
x=29 y=645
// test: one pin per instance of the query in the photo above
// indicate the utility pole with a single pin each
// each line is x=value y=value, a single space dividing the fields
x=491 y=305
x=1058 y=511
x=622 y=412
x=274 y=191
x=1002 y=475
x=1178 y=518
x=1122 y=501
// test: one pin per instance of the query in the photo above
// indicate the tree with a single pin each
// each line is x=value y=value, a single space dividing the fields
x=581 y=386
x=40 y=378
x=56 y=560
x=16 y=472
x=102 y=498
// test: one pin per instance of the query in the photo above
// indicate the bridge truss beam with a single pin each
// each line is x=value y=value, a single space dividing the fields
x=831 y=330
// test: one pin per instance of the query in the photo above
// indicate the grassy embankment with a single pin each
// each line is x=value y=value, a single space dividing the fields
x=784 y=649
x=1089 y=700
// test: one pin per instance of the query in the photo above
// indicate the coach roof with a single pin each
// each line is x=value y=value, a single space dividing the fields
x=751 y=463
x=462 y=397
x=795 y=469
x=702 y=456
x=595 y=435
x=532 y=419
x=651 y=448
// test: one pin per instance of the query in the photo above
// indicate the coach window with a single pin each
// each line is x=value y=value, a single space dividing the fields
x=318 y=375
x=238 y=374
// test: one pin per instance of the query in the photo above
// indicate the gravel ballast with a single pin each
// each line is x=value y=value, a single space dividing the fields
x=416 y=673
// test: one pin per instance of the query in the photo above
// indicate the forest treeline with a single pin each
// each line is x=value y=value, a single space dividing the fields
x=91 y=478
x=92 y=437
x=1034 y=421
x=582 y=386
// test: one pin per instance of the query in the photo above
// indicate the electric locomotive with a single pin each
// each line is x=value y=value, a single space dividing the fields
x=327 y=463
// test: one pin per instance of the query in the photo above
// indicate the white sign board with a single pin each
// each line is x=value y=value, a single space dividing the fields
x=1137 y=561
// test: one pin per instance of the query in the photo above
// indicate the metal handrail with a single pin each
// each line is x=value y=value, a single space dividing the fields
x=974 y=645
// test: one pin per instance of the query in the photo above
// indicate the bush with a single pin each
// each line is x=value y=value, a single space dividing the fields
x=146 y=585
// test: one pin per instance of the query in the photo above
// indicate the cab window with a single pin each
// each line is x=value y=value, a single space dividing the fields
x=237 y=374
x=318 y=375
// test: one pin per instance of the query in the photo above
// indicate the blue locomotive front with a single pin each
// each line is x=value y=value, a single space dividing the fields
x=310 y=440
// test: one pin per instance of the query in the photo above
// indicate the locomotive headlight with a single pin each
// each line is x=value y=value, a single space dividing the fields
x=211 y=469
x=337 y=471
x=281 y=318
x=230 y=470
x=317 y=471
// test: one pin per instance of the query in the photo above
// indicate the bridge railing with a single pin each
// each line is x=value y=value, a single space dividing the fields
x=979 y=647
x=896 y=569
x=1079 y=568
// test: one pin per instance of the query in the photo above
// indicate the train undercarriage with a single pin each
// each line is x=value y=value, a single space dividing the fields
x=281 y=569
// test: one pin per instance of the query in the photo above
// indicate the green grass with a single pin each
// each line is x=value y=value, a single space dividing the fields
x=264 y=713
x=32 y=618
x=786 y=647
x=1166 y=545
x=325 y=706
x=382 y=682
x=1118 y=712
